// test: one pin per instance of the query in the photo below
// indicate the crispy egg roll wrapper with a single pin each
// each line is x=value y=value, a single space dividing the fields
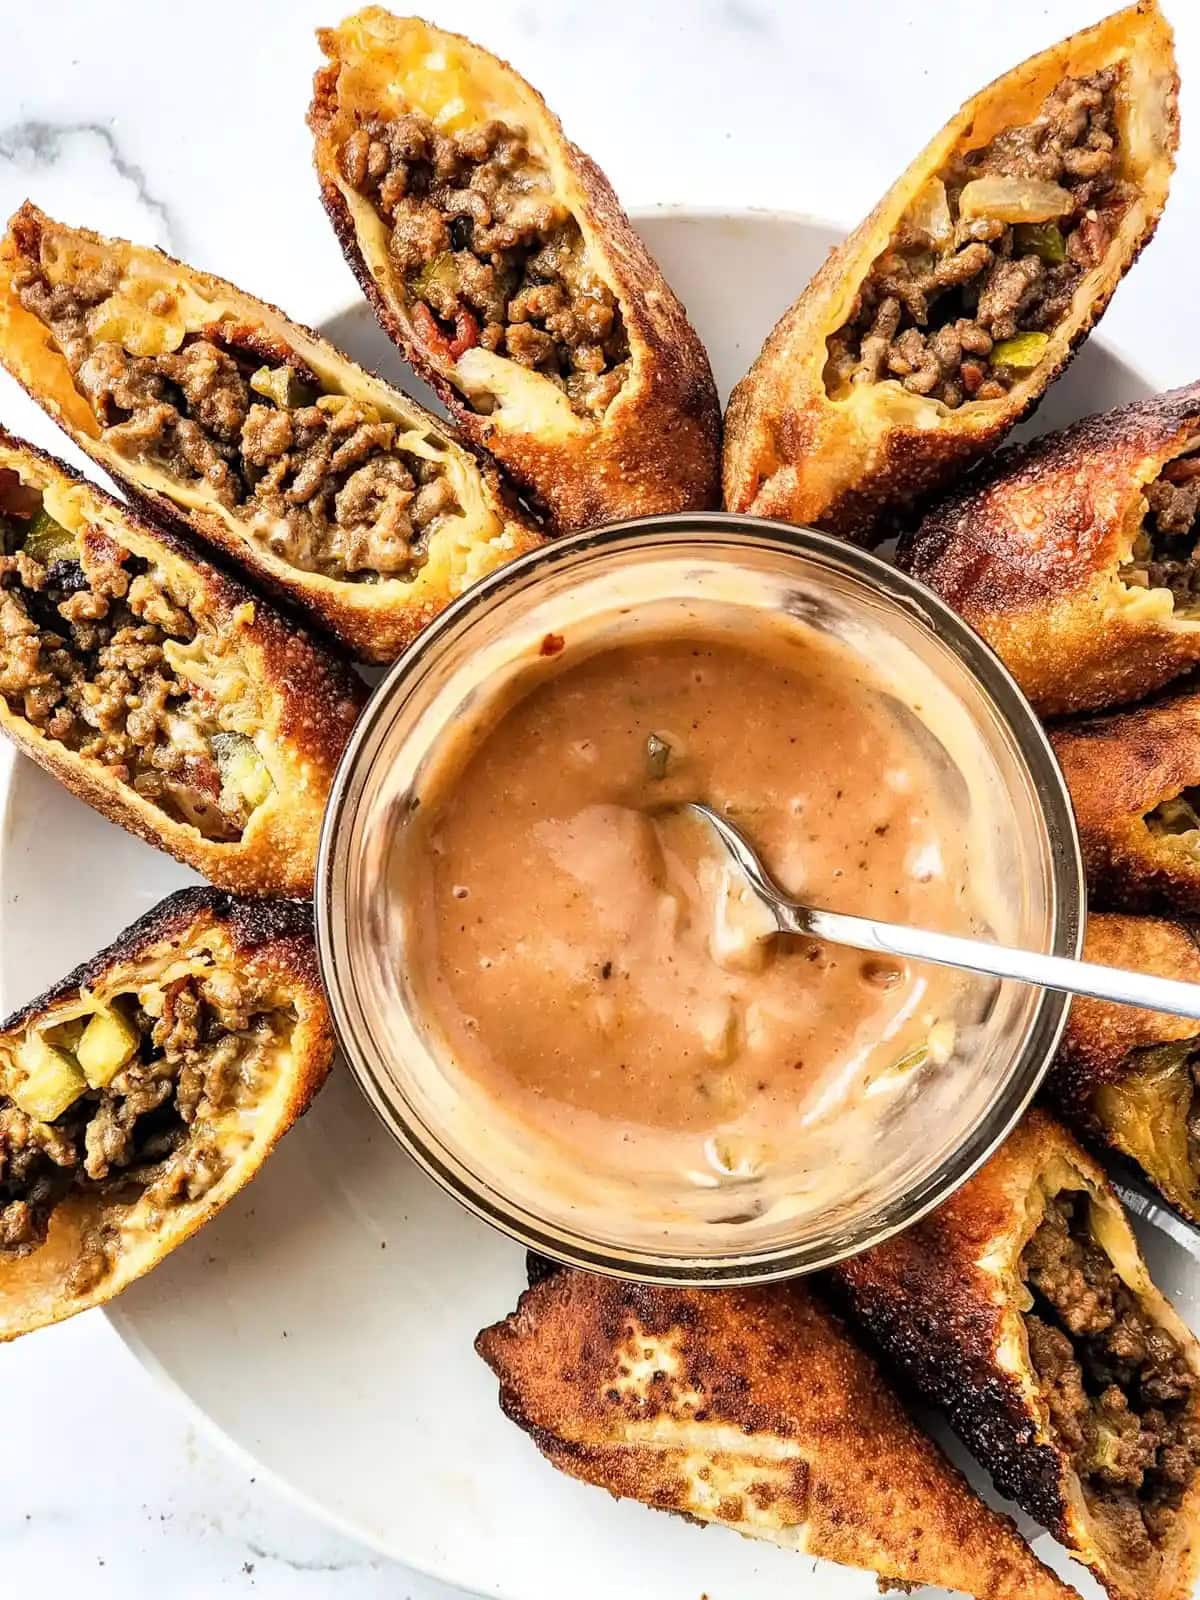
x=858 y=459
x=374 y=599
x=253 y=682
x=1038 y=554
x=1132 y=777
x=753 y=1408
x=1123 y=1077
x=106 y=1229
x=655 y=445
x=947 y=1303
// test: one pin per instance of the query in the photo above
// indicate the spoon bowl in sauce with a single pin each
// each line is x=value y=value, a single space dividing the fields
x=560 y=1003
x=780 y=913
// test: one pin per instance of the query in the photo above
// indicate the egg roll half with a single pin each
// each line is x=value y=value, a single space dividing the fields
x=1135 y=786
x=1024 y=1307
x=218 y=414
x=943 y=317
x=138 y=1095
x=158 y=689
x=498 y=259
x=752 y=1408
x=1129 y=1080
x=1073 y=555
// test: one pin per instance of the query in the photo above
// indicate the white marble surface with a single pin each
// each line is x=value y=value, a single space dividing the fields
x=807 y=105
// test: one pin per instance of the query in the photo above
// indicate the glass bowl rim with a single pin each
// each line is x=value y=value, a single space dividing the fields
x=1031 y=1058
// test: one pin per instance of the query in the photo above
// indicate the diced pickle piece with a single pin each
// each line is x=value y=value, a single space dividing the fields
x=283 y=385
x=50 y=1079
x=244 y=775
x=1023 y=351
x=1106 y=1450
x=108 y=1042
x=1042 y=239
x=48 y=541
x=440 y=273
x=658 y=756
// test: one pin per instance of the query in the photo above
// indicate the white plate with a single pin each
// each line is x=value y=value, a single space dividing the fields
x=324 y=1323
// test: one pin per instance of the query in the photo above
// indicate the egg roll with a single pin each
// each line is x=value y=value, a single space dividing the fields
x=755 y=1409
x=217 y=414
x=1134 y=779
x=1126 y=1079
x=1073 y=555
x=941 y=320
x=138 y=1095
x=159 y=690
x=1024 y=1308
x=497 y=257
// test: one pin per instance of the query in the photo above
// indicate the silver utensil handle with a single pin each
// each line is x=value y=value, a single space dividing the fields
x=999 y=961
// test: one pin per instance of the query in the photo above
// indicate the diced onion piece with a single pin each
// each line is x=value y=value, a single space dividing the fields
x=1014 y=200
x=119 y=320
x=930 y=212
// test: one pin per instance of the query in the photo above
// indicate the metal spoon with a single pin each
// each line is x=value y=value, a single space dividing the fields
x=948 y=949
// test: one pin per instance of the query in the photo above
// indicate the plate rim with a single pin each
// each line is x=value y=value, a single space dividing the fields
x=117 y=1318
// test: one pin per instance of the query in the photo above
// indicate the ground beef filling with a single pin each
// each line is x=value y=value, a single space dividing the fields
x=201 y=1050
x=83 y=658
x=1164 y=552
x=488 y=256
x=1117 y=1386
x=960 y=305
x=319 y=478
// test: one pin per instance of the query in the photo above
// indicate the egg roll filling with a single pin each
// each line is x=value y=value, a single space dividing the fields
x=1164 y=554
x=126 y=1101
x=102 y=654
x=488 y=255
x=1177 y=818
x=985 y=262
x=1151 y=1111
x=319 y=478
x=1117 y=1386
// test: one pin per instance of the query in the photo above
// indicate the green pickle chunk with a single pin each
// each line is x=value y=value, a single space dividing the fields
x=1022 y=352
x=283 y=385
x=51 y=1080
x=48 y=541
x=1043 y=239
x=244 y=774
x=107 y=1043
x=658 y=756
x=439 y=274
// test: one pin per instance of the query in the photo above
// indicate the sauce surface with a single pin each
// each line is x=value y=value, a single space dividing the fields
x=594 y=960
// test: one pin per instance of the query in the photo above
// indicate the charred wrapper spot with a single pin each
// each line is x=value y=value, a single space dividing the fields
x=1117 y=1387
x=320 y=478
x=171 y=1061
x=962 y=303
x=1164 y=552
x=89 y=633
x=488 y=256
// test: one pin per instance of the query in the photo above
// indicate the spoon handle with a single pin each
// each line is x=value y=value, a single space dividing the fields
x=1000 y=961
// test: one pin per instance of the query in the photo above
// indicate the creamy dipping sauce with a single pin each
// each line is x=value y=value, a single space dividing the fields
x=594 y=962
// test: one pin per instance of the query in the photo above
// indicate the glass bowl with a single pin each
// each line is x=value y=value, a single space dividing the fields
x=613 y=583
